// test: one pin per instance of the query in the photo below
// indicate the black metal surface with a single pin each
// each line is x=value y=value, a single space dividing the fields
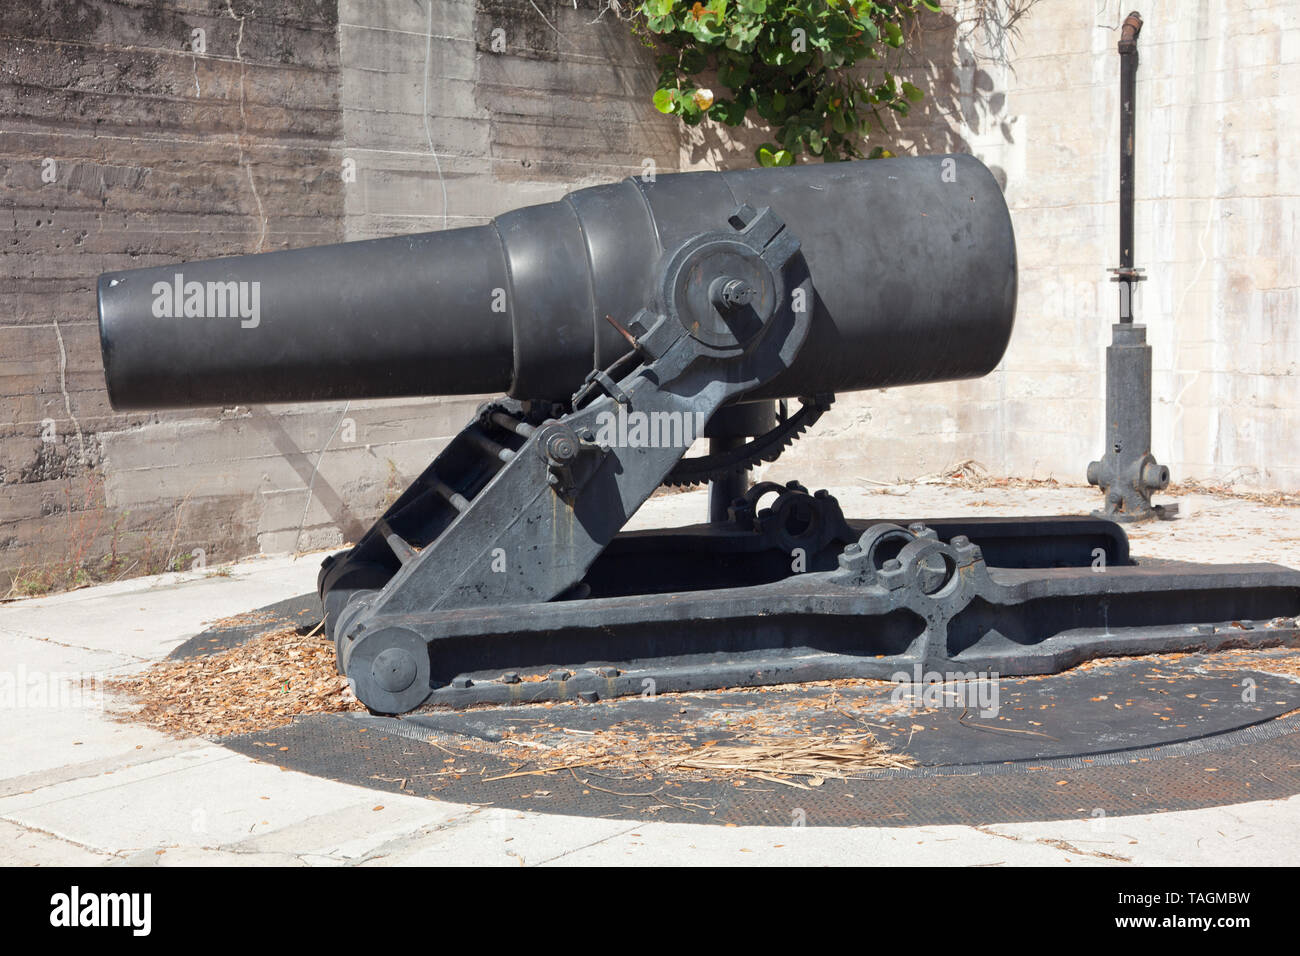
x=913 y=261
x=1126 y=737
x=1110 y=708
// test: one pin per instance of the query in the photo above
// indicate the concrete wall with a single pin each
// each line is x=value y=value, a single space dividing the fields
x=1218 y=190
x=123 y=145
x=307 y=121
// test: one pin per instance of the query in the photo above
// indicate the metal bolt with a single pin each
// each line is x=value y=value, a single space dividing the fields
x=461 y=682
x=558 y=675
x=560 y=447
x=729 y=293
x=852 y=548
x=916 y=527
x=510 y=678
x=608 y=671
x=960 y=541
x=588 y=696
x=893 y=564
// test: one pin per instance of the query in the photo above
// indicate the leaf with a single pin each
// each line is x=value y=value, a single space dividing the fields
x=664 y=101
x=912 y=93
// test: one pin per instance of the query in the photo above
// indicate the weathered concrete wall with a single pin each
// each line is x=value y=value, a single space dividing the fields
x=130 y=139
x=308 y=121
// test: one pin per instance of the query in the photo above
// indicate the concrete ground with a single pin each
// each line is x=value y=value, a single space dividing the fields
x=81 y=788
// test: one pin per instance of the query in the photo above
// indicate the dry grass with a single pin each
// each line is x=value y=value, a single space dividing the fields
x=1273 y=499
x=970 y=475
x=817 y=757
x=263 y=683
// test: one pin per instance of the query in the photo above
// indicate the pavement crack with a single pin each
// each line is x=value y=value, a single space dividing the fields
x=27 y=635
x=1055 y=843
x=28 y=828
x=585 y=846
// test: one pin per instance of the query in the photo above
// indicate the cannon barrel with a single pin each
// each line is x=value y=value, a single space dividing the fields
x=912 y=260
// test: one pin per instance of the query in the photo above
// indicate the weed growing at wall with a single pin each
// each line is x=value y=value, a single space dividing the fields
x=811 y=70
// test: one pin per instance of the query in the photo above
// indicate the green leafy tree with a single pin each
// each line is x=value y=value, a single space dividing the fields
x=790 y=62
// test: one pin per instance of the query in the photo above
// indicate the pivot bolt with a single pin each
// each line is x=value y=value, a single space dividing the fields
x=561 y=448
x=729 y=294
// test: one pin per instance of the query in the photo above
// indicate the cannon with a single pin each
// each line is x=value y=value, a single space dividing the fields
x=621 y=327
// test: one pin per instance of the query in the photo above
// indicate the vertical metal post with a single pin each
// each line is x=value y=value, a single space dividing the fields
x=727 y=430
x=1127 y=473
x=725 y=489
x=1126 y=275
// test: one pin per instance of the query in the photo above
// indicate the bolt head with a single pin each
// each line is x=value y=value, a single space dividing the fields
x=393 y=669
